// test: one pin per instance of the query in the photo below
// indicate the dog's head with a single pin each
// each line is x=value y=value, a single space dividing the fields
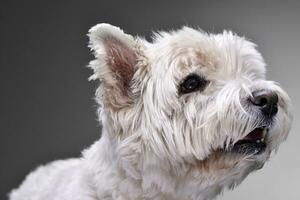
x=189 y=100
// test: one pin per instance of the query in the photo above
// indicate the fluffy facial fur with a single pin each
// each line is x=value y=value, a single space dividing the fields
x=159 y=143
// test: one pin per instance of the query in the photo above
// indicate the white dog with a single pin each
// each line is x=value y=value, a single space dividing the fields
x=183 y=117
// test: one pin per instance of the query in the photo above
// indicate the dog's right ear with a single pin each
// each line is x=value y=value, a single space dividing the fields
x=115 y=62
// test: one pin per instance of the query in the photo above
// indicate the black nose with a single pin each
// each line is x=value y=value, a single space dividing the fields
x=267 y=101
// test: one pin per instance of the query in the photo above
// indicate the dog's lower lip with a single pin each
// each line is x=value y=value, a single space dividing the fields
x=253 y=143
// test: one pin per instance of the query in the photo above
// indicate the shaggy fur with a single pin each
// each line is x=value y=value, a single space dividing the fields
x=158 y=143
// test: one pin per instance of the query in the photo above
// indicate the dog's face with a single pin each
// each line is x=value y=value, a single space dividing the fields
x=190 y=99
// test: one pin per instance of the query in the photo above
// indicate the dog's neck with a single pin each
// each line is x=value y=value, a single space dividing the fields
x=123 y=171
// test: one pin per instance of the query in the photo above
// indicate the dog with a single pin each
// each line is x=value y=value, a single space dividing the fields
x=184 y=117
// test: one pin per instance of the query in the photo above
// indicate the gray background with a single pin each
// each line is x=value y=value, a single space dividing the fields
x=47 y=108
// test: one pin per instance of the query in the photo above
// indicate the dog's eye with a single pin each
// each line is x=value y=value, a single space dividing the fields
x=192 y=83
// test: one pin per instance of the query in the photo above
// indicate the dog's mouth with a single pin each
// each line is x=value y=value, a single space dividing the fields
x=252 y=144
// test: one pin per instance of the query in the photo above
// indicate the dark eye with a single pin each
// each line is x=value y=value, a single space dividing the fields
x=192 y=83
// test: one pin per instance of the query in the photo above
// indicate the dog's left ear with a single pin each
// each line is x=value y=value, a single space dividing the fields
x=115 y=63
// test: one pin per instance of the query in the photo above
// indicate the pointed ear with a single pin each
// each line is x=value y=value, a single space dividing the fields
x=115 y=62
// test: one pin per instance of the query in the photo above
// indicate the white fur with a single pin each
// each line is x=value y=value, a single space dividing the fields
x=156 y=144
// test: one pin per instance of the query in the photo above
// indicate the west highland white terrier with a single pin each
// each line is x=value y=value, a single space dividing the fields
x=183 y=117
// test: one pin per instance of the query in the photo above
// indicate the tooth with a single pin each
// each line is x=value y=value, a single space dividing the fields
x=264 y=131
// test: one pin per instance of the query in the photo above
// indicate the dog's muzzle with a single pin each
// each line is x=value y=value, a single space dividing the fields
x=266 y=102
